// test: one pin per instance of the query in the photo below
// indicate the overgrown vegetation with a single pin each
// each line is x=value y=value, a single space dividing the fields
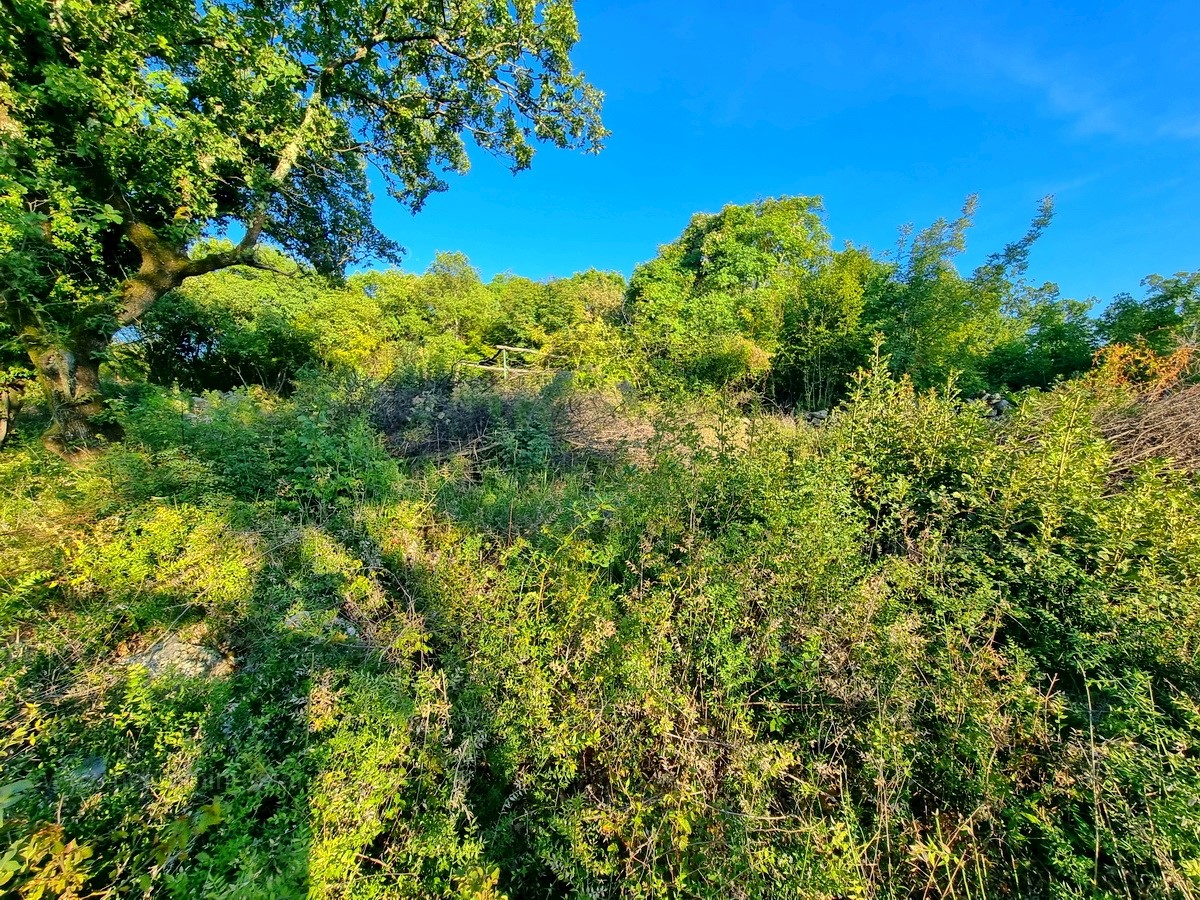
x=364 y=606
x=780 y=571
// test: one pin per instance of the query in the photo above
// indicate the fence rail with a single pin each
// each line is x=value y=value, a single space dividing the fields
x=501 y=356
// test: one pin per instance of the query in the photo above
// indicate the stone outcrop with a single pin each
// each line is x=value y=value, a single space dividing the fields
x=174 y=655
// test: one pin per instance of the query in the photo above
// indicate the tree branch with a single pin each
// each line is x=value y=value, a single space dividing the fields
x=164 y=267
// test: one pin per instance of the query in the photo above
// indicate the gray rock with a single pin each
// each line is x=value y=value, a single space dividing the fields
x=298 y=621
x=172 y=654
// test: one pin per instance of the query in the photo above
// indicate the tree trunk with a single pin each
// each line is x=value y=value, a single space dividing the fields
x=69 y=369
x=70 y=378
x=10 y=404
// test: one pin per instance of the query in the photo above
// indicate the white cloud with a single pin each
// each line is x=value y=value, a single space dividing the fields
x=1065 y=93
x=1091 y=104
x=1184 y=129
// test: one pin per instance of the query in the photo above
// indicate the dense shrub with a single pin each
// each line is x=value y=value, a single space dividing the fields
x=916 y=651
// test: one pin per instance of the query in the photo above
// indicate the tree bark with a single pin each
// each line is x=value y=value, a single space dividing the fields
x=163 y=269
x=11 y=397
x=69 y=370
x=70 y=379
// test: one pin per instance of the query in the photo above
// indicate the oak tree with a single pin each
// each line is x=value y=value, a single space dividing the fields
x=129 y=129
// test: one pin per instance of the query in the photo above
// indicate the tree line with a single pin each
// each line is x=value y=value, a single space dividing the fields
x=752 y=301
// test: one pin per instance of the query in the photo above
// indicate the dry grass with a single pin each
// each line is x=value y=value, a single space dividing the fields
x=1163 y=419
x=471 y=419
x=1165 y=426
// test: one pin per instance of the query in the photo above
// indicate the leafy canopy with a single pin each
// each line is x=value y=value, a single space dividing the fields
x=709 y=306
x=1169 y=312
x=128 y=129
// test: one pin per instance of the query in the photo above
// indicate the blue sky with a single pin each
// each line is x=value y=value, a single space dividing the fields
x=893 y=113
